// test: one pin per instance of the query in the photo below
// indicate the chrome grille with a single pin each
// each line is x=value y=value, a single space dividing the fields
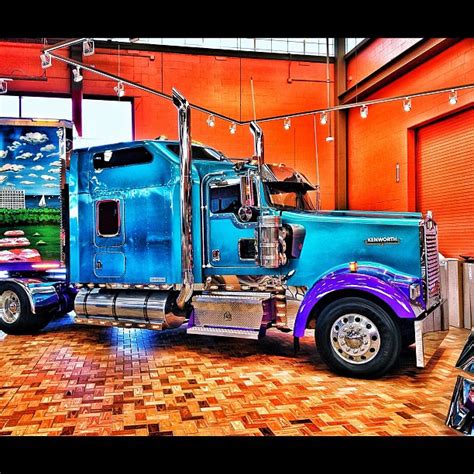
x=432 y=275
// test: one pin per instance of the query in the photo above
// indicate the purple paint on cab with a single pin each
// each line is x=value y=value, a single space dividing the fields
x=343 y=280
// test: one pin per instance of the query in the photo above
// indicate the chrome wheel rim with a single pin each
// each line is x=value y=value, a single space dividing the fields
x=10 y=307
x=355 y=338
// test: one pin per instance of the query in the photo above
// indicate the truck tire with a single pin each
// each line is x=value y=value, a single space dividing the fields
x=357 y=338
x=15 y=312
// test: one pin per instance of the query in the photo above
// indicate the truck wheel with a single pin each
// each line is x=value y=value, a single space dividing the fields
x=356 y=337
x=15 y=312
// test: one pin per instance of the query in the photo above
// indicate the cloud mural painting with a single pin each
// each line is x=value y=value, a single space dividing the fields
x=34 y=138
x=30 y=162
x=48 y=147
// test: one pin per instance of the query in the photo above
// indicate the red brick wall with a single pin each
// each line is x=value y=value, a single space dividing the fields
x=219 y=83
x=377 y=143
x=375 y=55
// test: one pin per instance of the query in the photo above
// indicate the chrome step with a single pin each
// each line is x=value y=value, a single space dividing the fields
x=223 y=332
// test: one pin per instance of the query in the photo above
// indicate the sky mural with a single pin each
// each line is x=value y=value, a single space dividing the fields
x=30 y=159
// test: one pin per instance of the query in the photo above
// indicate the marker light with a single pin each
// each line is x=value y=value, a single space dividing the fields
x=353 y=267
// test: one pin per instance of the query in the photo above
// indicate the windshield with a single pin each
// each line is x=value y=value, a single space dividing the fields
x=199 y=152
x=292 y=196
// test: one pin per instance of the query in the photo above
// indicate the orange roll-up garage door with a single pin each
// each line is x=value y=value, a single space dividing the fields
x=445 y=180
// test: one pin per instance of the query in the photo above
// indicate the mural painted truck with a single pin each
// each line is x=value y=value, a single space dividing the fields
x=165 y=233
x=33 y=287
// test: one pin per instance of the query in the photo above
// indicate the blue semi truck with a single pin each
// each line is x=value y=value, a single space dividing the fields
x=163 y=233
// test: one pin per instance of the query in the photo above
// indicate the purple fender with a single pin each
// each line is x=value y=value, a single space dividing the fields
x=344 y=280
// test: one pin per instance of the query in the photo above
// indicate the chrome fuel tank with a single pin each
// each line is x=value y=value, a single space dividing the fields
x=149 y=307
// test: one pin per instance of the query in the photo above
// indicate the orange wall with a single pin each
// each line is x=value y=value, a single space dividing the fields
x=219 y=83
x=377 y=143
x=375 y=55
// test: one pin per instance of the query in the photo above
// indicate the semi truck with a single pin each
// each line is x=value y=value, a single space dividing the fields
x=33 y=286
x=164 y=233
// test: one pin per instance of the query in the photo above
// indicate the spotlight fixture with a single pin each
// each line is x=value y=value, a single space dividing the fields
x=364 y=111
x=287 y=123
x=232 y=128
x=211 y=120
x=45 y=60
x=120 y=89
x=324 y=118
x=453 y=97
x=329 y=139
x=4 y=85
x=88 y=48
x=77 y=76
x=407 y=104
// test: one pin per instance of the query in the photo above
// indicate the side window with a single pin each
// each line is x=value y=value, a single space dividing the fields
x=123 y=157
x=108 y=218
x=225 y=199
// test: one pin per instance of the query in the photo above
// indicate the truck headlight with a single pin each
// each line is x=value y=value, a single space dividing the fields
x=415 y=291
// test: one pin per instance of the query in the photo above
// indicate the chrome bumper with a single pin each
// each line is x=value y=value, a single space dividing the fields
x=430 y=331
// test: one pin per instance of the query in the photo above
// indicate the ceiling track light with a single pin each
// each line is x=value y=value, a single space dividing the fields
x=76 y=73
x=407 y=104
x=287 y=123
x=232 y=128
x=88 y=48
x=364 y=111
x=453 y=97
x=211 y=121
x=324 y=118
x=45 y=60
x=4 y=85
x=120 y=89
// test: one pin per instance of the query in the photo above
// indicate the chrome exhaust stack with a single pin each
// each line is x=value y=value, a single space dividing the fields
x=185 y=156
x=257 y=133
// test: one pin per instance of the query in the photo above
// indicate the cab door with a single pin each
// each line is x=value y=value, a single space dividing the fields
x=230 y=238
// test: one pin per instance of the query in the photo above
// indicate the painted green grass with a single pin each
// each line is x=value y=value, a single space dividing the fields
x=49 y=233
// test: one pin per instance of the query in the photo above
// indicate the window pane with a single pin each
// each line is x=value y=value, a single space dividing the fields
x=108 y=218
x=125 y=157
x=46 y=107
x=9 y=106
x=104 y=122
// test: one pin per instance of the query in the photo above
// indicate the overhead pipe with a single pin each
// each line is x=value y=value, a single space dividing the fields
x=185 y=195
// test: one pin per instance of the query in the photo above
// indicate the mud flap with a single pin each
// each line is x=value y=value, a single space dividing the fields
x=430 y=332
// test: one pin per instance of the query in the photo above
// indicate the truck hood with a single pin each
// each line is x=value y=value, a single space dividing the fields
x=354 y=214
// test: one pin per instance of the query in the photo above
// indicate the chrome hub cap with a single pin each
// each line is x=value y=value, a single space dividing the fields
x=10 y=307
x=355 y=338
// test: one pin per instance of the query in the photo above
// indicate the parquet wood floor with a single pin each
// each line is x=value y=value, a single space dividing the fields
x=79 y=380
